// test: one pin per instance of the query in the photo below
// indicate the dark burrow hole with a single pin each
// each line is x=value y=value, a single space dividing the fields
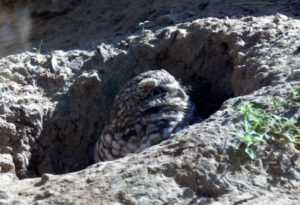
x=211 y=97
x=208 y=78
x=69 y=136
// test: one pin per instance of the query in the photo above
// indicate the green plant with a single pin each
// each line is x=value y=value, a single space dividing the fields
x=262 y=127
x=143 y=24
x=38 y=51
x=279 y=102
x=295 y=95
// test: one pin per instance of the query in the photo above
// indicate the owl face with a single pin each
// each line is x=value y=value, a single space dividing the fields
x=152 y=91
x=163 y=94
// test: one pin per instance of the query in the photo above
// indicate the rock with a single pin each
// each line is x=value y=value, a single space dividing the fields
x=105 y=52
x=165 y=20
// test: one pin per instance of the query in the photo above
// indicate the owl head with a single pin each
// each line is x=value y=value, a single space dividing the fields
x=154 y=91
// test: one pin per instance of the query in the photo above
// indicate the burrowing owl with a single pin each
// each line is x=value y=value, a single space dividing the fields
x=149 y=109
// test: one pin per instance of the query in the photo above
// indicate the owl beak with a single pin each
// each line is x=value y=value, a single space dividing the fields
x=179 y=93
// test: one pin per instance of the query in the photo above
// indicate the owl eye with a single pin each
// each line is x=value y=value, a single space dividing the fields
x=157 y=92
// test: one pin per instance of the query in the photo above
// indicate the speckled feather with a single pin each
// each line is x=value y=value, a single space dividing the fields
x=149 y=109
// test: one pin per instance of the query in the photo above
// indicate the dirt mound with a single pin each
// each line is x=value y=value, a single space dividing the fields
x=54 y=103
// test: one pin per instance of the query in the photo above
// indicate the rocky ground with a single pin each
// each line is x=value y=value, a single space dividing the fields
x=69 y=60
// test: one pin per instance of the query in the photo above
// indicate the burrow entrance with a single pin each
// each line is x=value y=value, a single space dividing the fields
x=202 y=61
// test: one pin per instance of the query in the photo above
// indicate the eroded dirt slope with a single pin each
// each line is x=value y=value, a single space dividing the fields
x=53 y=104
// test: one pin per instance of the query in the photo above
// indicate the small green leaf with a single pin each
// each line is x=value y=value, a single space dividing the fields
x=251 y=153
x=290 y=137
x=295 y=95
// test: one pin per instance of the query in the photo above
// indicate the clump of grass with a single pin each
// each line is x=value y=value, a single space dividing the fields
x=263 y=127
